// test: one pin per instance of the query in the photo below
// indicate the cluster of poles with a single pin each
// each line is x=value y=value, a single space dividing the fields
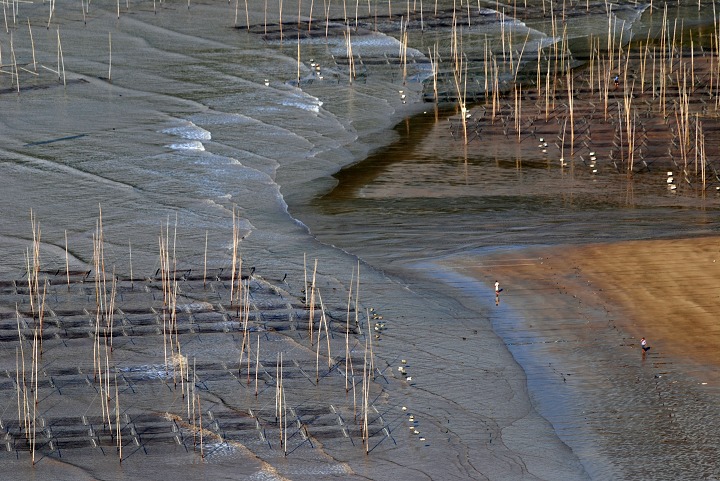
x=672 y=74
x=177 y=367
x=27 y=389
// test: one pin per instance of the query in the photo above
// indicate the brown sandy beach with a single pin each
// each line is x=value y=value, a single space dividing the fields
x=577 y=313
x=664 y=290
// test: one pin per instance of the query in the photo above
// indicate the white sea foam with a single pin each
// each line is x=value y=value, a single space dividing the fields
x=298 y=104
x=189 y=131
x=195 y=145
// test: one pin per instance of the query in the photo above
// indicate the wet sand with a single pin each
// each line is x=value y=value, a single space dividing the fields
x=481 y=427
x=573 y=317
x=471 y=406
x=662 y=289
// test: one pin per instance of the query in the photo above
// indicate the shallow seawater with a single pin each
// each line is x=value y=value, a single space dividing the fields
x=429 y=195
x=419 y=202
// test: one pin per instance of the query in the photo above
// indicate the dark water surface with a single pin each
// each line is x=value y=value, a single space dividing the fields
x=428 y=198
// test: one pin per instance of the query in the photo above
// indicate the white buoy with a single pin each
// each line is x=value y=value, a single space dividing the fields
x=267 y=82
x=669 y=174
x=669 y=180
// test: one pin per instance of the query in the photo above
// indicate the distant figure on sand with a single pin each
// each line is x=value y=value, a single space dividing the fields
x=616 y=81
x=497 y=287
x=644 y=346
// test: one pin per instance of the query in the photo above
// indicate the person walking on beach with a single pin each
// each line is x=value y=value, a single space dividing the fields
x=497 y=288
x=643 y=345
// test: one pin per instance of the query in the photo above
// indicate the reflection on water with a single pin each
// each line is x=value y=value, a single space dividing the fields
x=428 y=194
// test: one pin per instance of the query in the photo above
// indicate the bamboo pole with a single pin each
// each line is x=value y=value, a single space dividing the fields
x=110 y=56
x=67 y=261
x=32 y=46
x=317 y=351
x=366 y=398
x=257 y=365
x=117 y=420
x=280 y=6
x=571 y=106
x=280 y=399
x=311 y=319
x=284 y=403
x=312 y=4
x=347 y=329
x=17 y=373
x=327 y=331
x=249 y=339
x=14 y=61
x=277 y=387
x=25 y=407
x=34 y=383
x=298 y=42
x=202 y=447
x=235 y=234
x=327 y=18
x=52 y=10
